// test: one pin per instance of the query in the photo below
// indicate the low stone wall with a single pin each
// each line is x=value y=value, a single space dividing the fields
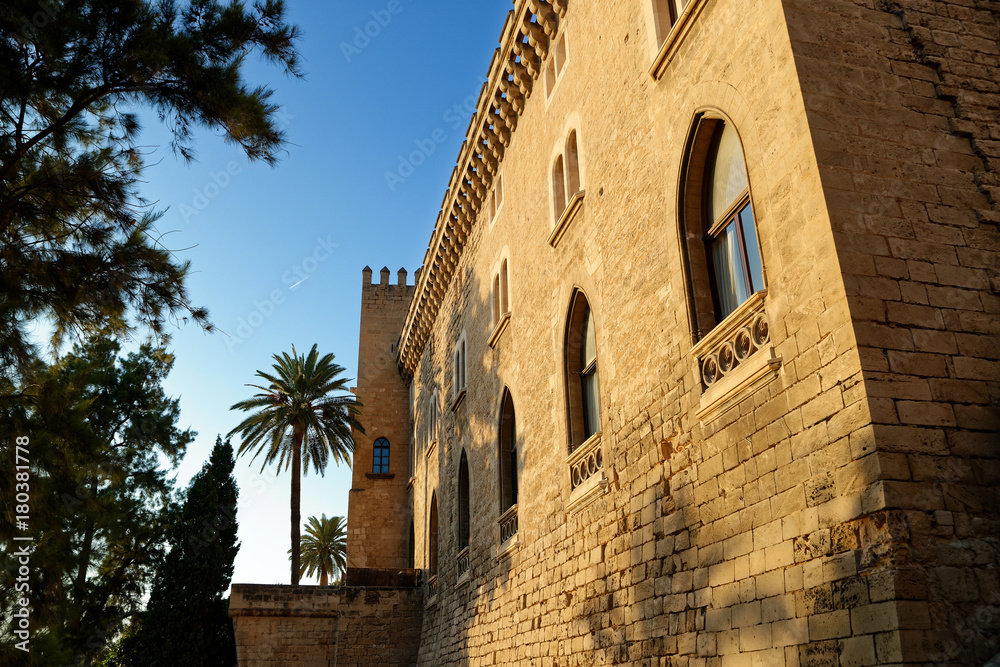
x=325 y=626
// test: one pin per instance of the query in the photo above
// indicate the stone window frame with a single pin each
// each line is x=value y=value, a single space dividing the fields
x=494 y=206
x=567 y=182
x=668 y=25
x=552 y=73
x=500 y=296
x=732 y=355
x=459 y=371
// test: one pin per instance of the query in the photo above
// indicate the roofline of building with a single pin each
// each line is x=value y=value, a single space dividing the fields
x=531 y=27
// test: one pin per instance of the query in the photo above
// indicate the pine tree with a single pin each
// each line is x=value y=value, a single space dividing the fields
x=187 y=621
x=78 y=243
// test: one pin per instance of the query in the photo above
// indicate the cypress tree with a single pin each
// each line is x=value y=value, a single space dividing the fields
x=187 y=620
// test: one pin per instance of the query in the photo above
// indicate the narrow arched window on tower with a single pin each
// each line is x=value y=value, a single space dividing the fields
x=380 y=458
x=463 y=501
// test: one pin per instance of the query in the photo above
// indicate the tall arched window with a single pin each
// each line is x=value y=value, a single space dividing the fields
x=432 y=542
x=463 y=501
x=581 y=372
x=380 y=457
x=723 y=252
x=508 y=454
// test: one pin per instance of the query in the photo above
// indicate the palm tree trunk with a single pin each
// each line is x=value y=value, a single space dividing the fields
x=323 y=577
x=296 y=493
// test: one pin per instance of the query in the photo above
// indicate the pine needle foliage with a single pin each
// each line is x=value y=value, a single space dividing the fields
x=78 y=243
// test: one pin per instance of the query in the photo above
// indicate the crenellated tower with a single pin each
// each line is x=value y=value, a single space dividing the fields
x=379 y=511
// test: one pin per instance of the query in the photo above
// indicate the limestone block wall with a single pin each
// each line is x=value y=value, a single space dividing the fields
x=904 y=109
x=713 y=543
x=840 y=512
x=378 y=517
x=313 y=626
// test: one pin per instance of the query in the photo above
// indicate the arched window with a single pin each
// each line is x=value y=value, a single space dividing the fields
x=581 y=372
x=380 y=458
x=508 y=454
x=432 y=542
x=463 y=501
x=567 y=185
x=723 y=252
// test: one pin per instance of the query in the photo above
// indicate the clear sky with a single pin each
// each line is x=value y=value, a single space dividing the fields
x=277 y=253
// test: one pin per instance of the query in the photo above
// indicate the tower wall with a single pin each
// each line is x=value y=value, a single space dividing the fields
x=378 y=519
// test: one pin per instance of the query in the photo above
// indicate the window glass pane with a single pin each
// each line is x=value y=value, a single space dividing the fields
x=589 y=341
x=513 y=458
x=591 y=404
x=729 y=279
x=754 y=269
x=729 y=178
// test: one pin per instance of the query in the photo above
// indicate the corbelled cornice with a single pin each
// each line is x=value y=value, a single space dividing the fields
x=524 y=43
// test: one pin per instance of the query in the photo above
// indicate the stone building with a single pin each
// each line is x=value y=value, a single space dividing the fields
x=702 y=365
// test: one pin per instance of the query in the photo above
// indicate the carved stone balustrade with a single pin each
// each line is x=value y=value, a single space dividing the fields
x=735 y=357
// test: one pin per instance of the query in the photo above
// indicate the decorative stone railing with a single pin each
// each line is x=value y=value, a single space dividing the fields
x=432 y=589
x=530 y=29
x=586 y=472
x=735 y=356
x=508 y=526
x=585 y=462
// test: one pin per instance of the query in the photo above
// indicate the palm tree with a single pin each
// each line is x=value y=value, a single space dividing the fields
x=324 y=548
x=300 y=417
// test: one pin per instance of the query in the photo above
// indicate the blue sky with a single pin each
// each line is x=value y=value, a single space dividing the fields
x=251 y=232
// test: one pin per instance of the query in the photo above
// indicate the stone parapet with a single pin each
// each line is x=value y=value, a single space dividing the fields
x=317 y=626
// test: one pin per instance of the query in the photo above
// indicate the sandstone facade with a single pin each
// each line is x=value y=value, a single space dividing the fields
x=809 y=480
